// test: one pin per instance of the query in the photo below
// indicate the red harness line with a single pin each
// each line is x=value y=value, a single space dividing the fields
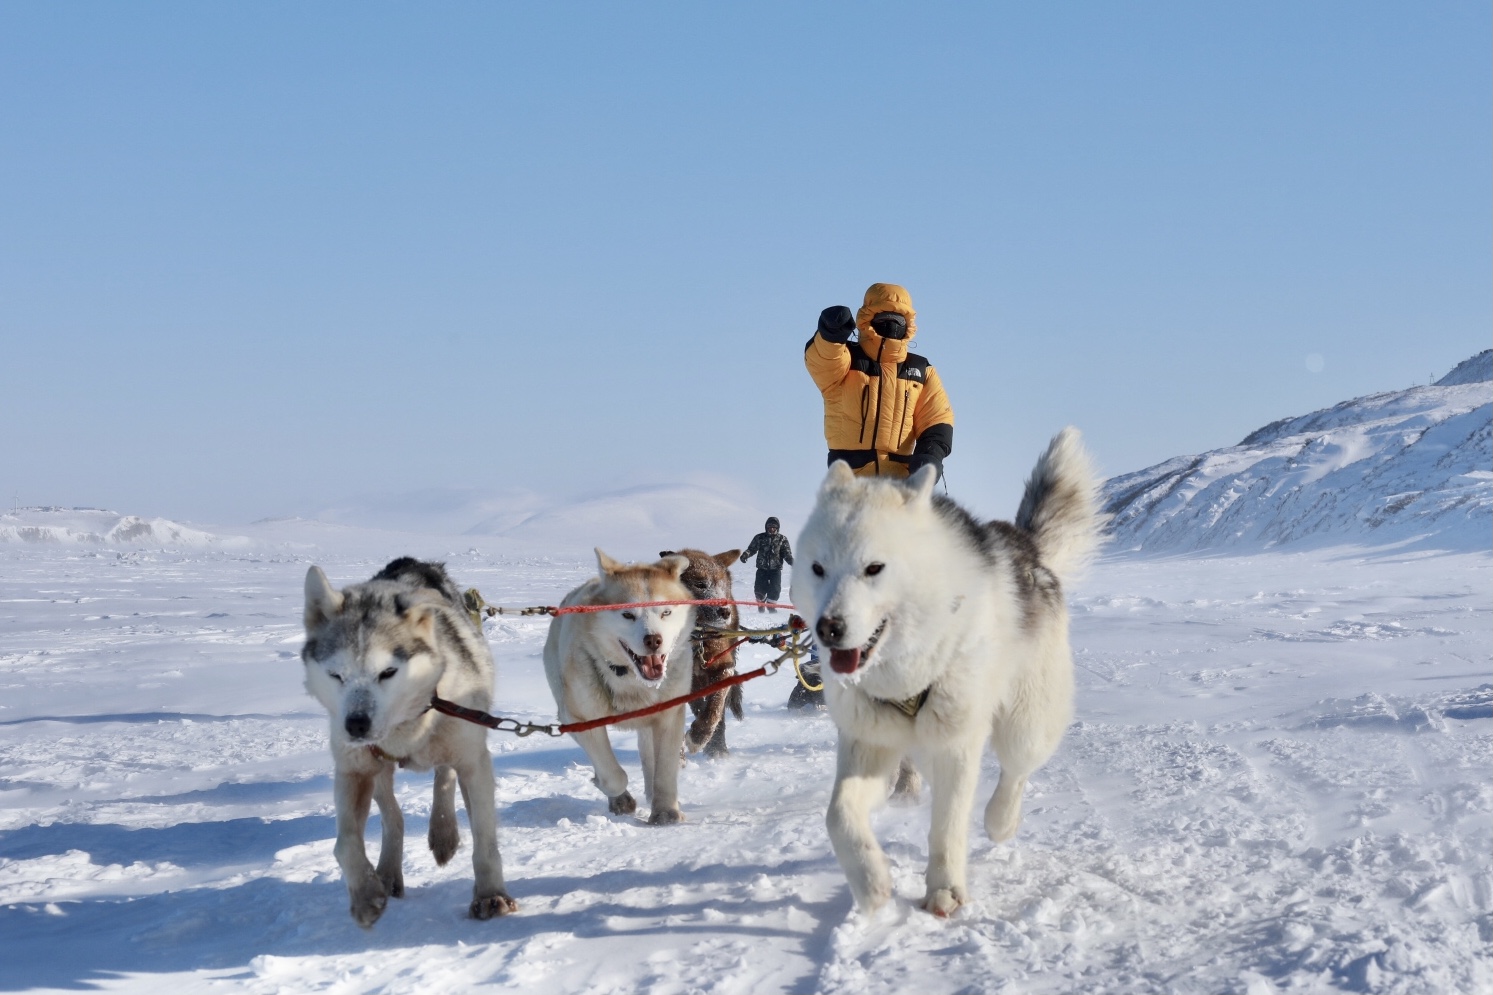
x=709 y=602
x=502 y=724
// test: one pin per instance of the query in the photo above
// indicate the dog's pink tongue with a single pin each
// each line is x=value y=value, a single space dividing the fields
x=844 y=661
x=651 y=666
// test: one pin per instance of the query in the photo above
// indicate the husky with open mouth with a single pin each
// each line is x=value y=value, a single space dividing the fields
x=610 y=662
x=942 y=631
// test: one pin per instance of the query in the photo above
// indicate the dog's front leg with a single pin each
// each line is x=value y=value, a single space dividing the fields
x=667 y=737
x=353 y=790
x=391 y=845
x=444 y=837
x=955 y=775
x=479 y=793
x=861 y=773
x=607 y=773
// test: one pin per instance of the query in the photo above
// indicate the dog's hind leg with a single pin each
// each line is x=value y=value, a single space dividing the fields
x=953 y=775
x=1003 y=813
x=444 y=838
x=862 y=773
x=479 y=794
x=365 y=890
x=390 y=868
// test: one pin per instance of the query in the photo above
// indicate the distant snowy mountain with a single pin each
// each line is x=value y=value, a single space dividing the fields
x=95 y=526
x=1408 y=464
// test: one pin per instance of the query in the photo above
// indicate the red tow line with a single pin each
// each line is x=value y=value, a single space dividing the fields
x=502 y=724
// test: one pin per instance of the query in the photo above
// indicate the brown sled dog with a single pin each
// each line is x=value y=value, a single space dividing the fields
x=708 y=577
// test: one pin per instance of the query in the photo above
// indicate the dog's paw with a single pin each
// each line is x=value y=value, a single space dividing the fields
x=717 y=752
x=623 y=804
x=444 y=840
x=944 y=902
x=665 y=816
x=492 y=906
x=367 y=901
x=393 y=883
x=696 y=738
x=1002 y=828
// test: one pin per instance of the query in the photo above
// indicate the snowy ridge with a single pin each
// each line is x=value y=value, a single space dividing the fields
x=95 y=526
x=637 y=522
x=1407 y=464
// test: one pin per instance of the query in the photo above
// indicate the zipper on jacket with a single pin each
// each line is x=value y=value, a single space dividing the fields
x=880 y=389
x=906 y=393
x=865 y=407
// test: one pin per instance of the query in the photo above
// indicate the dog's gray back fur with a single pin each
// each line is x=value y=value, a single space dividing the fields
x=1056 y=530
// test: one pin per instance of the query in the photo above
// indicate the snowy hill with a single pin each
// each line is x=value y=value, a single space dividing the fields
x=1407 y=464
x=95 y=526
x=637 y=522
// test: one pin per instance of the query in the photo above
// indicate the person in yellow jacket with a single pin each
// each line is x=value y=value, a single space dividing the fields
x=885 y=410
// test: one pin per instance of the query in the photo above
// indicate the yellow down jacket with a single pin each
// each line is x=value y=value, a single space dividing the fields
x=884 y=408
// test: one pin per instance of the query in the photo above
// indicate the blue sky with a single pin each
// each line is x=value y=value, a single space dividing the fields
x=256 y=258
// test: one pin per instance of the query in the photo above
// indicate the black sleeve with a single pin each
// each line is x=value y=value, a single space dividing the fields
x=932 y=446
x=787 y=552
x=936 y=441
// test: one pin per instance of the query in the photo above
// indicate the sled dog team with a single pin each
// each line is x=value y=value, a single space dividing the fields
x=940 y=632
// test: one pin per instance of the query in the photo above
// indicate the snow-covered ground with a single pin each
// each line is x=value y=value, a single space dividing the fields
x=1278 y=781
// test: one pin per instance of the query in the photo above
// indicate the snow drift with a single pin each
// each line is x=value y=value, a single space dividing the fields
x=1407 y=464
x=95 y=526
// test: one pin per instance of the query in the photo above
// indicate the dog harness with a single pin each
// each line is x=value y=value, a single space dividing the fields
x=909 y=706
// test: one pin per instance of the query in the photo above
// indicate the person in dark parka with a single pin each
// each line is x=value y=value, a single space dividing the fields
x=772 y=550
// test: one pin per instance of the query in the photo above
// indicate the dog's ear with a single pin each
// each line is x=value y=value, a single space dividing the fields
x=675 y=564
x=727 y=558
x=606 y=563
x=839 y=475
x=418 y=614
x=666 y=552
x=322 y=599
x=920 y=485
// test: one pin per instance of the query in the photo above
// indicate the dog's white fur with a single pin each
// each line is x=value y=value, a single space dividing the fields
x=915 y=594
x=594 y=664
x=375 y=652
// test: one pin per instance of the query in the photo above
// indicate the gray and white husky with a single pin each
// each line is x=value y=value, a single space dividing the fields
x=374 y=655
x=940 y=632
x=610 y=662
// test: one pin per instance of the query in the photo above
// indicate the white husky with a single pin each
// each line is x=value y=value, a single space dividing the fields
x=941 y=632
x=609 y=662
x=374 y=655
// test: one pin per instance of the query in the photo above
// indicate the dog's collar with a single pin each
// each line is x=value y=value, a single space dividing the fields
x=908 y=706
x=382 y=754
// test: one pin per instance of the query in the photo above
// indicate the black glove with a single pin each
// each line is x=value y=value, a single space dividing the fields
x=836 y=324
x=917 y=461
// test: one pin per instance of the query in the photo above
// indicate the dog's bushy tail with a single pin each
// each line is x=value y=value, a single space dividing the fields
x=1060 y=507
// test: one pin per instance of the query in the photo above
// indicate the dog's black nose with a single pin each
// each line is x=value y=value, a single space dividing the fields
x=357 y=725
x=831 y=629
x=652 y=641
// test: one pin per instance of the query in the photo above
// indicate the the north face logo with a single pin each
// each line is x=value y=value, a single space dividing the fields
x=915 y=374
